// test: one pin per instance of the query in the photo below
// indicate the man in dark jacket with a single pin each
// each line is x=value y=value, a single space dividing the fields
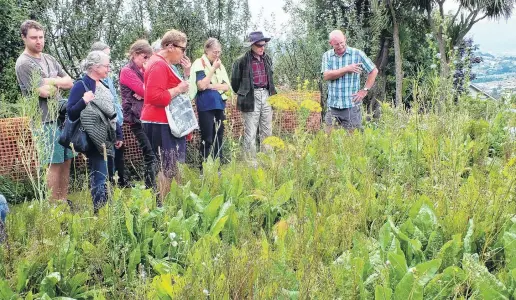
x=252 y=80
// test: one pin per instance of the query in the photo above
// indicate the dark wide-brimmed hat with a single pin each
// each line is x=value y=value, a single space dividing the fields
x=255 y=37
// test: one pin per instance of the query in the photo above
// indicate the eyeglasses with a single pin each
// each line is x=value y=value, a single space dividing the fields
x=182 y=48
x=107 y=66
x=260 y=45
x=343 y=43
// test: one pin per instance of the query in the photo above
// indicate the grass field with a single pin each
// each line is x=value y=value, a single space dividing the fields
x=417 y=206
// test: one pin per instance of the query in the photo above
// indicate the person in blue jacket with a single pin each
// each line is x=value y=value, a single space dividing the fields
x=4 y=210
x=91 y=101
x=119 y=165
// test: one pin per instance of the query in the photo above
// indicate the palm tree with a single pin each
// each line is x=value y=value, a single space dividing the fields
x=398 y=61
x=470 y=12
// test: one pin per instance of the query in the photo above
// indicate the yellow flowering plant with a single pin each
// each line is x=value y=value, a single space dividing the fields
x=274 y=142
x=311 y=105
x=283 y=103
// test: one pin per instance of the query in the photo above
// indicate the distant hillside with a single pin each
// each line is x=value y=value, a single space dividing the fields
x=496 y=74
x=484 y=54
x=494 y=67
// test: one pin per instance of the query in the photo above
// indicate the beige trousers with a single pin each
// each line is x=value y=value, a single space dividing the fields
x=258 y=120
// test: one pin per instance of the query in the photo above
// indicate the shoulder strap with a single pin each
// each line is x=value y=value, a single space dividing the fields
x=104 y=83
x=84 y=84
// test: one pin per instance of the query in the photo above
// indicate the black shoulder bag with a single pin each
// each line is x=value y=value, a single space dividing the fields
x=73 y=134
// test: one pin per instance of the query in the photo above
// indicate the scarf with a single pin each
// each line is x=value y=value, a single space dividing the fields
x=220 y=76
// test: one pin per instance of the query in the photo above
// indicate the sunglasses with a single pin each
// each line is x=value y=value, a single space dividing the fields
x=182 y=48
x=260 y=45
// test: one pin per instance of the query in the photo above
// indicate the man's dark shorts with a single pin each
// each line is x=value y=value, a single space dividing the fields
x=349 y=118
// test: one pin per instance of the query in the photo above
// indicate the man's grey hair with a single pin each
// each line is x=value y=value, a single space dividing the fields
x=94 y=58
x=336 y=33
x=156 y=46
x=99 y=46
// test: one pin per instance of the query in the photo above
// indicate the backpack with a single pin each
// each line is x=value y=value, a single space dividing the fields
x=61 y=112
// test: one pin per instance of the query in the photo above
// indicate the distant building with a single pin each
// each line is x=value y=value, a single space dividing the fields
x=476 y=91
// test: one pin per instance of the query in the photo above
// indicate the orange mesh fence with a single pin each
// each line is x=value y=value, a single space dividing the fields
x=17 y=153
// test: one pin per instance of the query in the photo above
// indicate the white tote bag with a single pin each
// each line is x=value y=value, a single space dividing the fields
x=180 y=115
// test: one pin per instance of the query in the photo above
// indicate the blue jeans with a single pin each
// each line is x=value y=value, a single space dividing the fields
x=98 y=174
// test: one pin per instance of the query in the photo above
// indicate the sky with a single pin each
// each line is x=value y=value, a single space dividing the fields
x=496 y=37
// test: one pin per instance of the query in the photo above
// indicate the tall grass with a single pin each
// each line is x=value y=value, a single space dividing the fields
x=325 y=216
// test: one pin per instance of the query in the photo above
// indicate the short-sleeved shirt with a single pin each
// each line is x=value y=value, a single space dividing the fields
x=46 y=67
x=208 y=99
x=341 y=90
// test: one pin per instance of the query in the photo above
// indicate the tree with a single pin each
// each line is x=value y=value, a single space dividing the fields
x=73 y=25
x=456 y=27
x=398 y=61
x=11 y=46
x=226 y=20
x=298 y=56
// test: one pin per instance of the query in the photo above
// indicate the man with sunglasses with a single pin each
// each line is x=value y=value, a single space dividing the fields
x=252 y=80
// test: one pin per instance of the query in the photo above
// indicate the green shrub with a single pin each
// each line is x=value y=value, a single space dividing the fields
x=16 y=191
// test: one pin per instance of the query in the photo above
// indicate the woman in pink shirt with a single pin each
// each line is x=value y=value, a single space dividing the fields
x=132 y=91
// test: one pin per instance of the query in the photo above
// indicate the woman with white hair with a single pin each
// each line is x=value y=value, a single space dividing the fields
x=156 y=46
x=119 y=165
x=91 y=101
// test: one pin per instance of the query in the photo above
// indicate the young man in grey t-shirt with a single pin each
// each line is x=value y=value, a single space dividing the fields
x=51 y=79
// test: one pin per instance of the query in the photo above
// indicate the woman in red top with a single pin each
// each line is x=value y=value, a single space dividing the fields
x=161 y=86
x=131 y=89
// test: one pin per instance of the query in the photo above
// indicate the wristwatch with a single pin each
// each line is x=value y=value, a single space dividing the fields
x=366 y=89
